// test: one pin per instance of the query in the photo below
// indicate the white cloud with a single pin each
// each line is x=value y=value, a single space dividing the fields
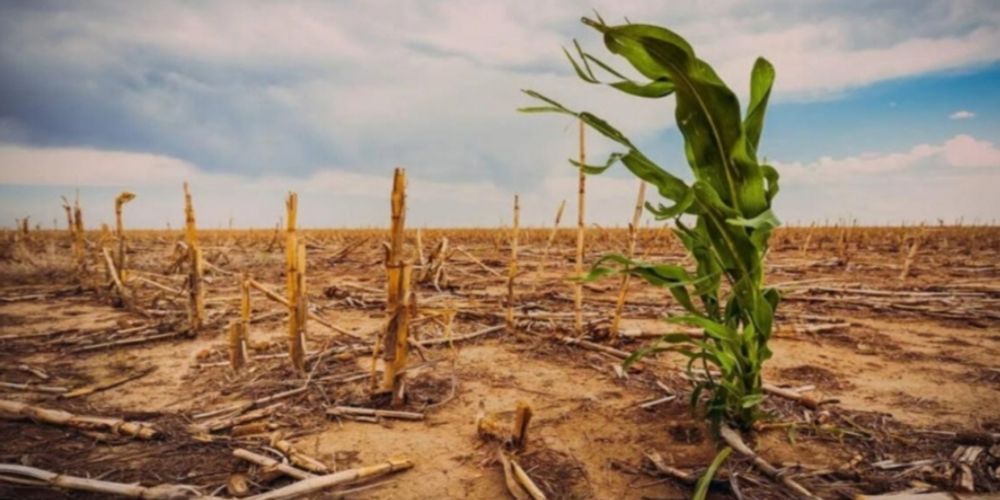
x=287 y=88
x=966 y=151
x=325 y=97
x=329 y=197
x=927 y=182
x=84 y=167
x=959 y=175
x=959 y=151
x=927 y=197
x=962 y=115
x=27 y=166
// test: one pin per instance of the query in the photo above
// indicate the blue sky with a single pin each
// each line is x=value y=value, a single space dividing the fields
x=883 y=111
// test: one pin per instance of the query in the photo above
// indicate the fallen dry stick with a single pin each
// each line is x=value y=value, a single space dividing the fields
x=14 y=410
x=774 y=390
x=649 y=404
x=593 y=346
x=318 y=483
x=157 y=285
x=257 y=403
x=283 y=301
x=468 y=336
x=84 y=391
x=270 y=463
x=298 y=458
x=802 y=399
x=140 y=340
x=372 y=412
x=508 y=474
x=479 y=262
x=34 y=388
x=524 y=480
x=733 y=439
x=685 y=477
x=222 y=424
x=38 y=372
x=34 y=296
x=115 y=279
x=159 y=492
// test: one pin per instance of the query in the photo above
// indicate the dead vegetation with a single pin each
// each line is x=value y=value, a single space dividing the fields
x=155 y=363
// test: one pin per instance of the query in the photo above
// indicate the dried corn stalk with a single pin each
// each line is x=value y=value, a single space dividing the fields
x=552 y=237
x=910 y=256
x=78 y=244
x=115 y=278
x=295 y=253
x=581 y=227
x=633 y=232
x=31 y=475
x=809 y=235
x=495 y=425
x=120 y=202
x=433 y=270
x=196 y=291
x=296 y=456
x=244 y=324
x=519 y=433
x=69 y=217
x=420 y=250
x=396 y=339
x=15 y=410
x=512 y=272
x=237 y=347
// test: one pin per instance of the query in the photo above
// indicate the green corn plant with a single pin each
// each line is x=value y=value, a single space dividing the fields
x=729 y=201
x=701 y=488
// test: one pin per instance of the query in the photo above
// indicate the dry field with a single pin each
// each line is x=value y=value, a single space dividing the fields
x=887 y=349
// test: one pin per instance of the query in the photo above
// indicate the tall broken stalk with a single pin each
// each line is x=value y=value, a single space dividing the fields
x=78 y=244
x=399 y=272
x=633 y=232
x=245 y=306
x=512 y=272
x=69 y=217
x=519 y=433
x=114 y=277
x=910 y=256
x=196 y=291
x=239 y=333
x=552 y=237
x=581 y=227
x=120 y=202
x=295 y=273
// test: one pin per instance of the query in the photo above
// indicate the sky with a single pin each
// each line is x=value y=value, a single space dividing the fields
x=882 y=112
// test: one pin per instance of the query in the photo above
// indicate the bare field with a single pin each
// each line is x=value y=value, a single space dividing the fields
x=890 y=335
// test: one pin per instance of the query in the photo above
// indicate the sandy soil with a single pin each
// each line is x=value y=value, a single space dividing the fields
x=898 y=357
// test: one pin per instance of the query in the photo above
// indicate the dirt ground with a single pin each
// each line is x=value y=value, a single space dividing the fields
x=906 y=367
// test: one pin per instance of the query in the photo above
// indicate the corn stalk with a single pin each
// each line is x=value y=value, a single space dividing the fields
x=399 y=272
x=581 y=228
x=633 y=233
x=551 y=238
x=196 y=291
x=120 y=202
x=512 y=271
x=729 y=200
x=295 y=254
x=69 y=217
x=79 y=254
